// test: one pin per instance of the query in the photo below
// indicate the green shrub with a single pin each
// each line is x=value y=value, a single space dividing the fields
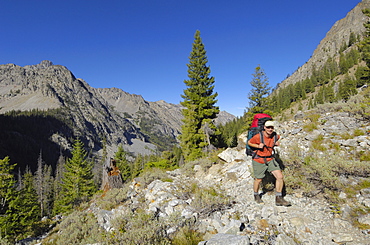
x=346 y=136
x=208 y=200
x=167 y=180
x=139 y=227
x=151 y=174
x=364 y=184
x=162 y=163
x=5 y=241
x=352 y=190
x=320 y=173
x=111 y=198
x=317 y=143
x=358 y=132
x=335 y=146
x=314 y=117
x=365 y=156
x=76 y=228
x=187 y=236
x=309 y=127
x=355 y=213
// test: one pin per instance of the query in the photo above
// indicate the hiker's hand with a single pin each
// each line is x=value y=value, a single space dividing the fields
x=261 y=145
x=277 y=143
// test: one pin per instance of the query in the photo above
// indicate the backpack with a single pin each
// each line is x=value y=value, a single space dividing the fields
x=257 y=127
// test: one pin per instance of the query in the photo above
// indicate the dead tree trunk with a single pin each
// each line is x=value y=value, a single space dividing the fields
x=111 y=177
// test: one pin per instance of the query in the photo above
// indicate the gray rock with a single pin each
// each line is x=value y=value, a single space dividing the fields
x=365 y=219
x=223 y=239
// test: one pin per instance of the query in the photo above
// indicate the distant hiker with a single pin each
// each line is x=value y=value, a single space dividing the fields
x=263 y=160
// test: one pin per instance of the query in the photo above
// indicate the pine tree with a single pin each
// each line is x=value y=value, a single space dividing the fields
x=57 y=185
x=122 y=163
x=329 y=94
x=39 y=183
x=364 y=47
x=8 y=194
x=352 y=39
x=48 y=189
x=308 y=85
x=347 y=88
x=77 y=182
x=319 y=98
x=24 y=210
x=258 y=94
x=198 y=130
x=137 y=165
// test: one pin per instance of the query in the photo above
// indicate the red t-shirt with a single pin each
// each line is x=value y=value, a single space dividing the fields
x=266 y=151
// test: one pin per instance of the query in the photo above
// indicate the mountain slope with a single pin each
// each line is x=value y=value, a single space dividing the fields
x=331 y=44
x=89 y=113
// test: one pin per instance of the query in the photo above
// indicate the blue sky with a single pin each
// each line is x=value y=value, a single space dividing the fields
x=142 y=47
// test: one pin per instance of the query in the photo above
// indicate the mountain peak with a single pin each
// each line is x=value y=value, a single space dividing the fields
x=43 y=65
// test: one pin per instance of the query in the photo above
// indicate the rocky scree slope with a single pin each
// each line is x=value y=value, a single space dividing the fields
x=237 y=219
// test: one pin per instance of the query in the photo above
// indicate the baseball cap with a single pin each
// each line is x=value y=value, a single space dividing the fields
x=269 y=124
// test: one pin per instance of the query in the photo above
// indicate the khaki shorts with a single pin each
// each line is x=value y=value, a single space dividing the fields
x=259 y=169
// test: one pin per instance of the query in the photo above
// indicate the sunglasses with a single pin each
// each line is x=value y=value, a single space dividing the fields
x=270 y=127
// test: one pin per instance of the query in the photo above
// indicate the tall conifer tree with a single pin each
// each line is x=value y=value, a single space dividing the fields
x=258 y=102
x=122 y=163
x=8 y=195
x=39 y=183
x=364 y=47
x=77 y=182
x=198 y=130
x=24 y=210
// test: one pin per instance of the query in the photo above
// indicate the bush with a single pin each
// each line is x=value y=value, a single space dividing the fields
x=76 y=228
x=139 y=228
x=151 y=174
x=317 y=173
x=313 y=117
x=365 y=156
x=309 y=127
x=318 y=143
x=187 y=236
x=5 y=241
x=358 y=132
x=111 y=198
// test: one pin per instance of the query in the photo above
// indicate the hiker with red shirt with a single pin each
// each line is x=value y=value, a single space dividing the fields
x=263 y=160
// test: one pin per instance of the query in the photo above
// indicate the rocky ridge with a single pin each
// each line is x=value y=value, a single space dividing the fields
x=310 y=220
x=87 y=112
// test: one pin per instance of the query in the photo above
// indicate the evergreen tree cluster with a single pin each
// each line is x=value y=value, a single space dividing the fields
x=321 y=87
x=230 y=132
x=28 y=198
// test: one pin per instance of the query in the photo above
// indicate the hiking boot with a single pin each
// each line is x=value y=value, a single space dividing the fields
x=258 y=199
x=280 y=201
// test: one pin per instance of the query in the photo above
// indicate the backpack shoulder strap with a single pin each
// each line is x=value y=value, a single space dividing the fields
x=275 y=138
x=262 y=138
